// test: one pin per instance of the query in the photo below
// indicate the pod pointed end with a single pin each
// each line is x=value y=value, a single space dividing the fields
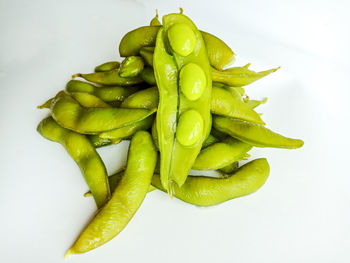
x=76 y=75
x=68 y=253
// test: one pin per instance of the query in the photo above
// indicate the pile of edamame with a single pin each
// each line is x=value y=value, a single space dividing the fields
x=180 y=105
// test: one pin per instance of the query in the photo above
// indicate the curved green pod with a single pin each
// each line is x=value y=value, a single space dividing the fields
x=207 y=191
x=147 y=54
x=71 y=115
x=107 y=66
x=109 y=78
x=107 y=94
x=84 y=154
x=224 y=103
x=229 y=169
x=209 y=141
x=146 y=99
x=126 y=199
x=254 y=134
x=147 y=74
x=98 y=142
x=239 y=76
x=131 y=66
x=219 y=53
x=221 y=154
x=129 y=130
x=89 y=100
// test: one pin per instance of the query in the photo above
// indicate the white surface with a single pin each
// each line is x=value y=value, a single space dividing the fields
x=300 y=215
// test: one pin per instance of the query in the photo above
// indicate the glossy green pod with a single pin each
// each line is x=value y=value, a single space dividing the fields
x=219 y=53
x=131 y=66
x=147 y=75
x=146 y=99
x=89 y=100
x=126 y=198
x=147 y=54
x=107 y=94
x=239 y=76
x=224 y=103
x=254 y=134
x=98 y=142
x=107 y=66
x=221 y=154
x=109 y=78
x=207 y=191
x=84 y=154
x=71 y=115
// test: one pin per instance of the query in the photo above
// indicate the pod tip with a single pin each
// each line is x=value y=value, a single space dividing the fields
x=181 y=10
x=87 y=194
x=68 y=253
x=76 y=75
x=275 y=69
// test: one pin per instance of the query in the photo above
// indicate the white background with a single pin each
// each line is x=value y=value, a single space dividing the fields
x=300 y=215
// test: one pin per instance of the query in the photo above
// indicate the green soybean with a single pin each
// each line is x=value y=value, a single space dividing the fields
x=131 y=66
x=107 y=66
x=221 y=154
x=68 y=113
x=84 y=154
x=207 y=191
x=254 y=134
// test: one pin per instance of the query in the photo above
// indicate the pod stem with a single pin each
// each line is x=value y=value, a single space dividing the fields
x=77 y=75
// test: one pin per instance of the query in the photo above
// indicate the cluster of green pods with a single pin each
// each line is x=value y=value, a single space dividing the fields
x=181 y=108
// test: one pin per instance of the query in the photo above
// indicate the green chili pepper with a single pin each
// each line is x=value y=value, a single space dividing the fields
x=206 y=191
x=254 y=134
x=84 y=154
x=126 y=199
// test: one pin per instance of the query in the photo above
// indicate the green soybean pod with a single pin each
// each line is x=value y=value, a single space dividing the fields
x=147 y=74
x=107 y=66
x=224 y=103
x=84 y=154
x=146 y=99
x=126 y=199
x=89 y=100
x=209 y=141
x=109 y=78
x=147 y=54
x=221 y=154
x=107 y=94
x=69 y=114
x=254 y=134
x=229 y=169
x=239 y=76
x=155 y=21
x=98 y=142
x=219 y=53
x=131 y=66
x=207 y=191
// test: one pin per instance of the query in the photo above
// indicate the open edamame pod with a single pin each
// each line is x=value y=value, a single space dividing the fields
x=126 y=198
x=219 y=53
x=207 y=191
x=84 y=154
x=107 y=66
x=107 y=94
x=221 y=154
x=239 y=76
x=226 y=104
x=109 y=78
x=71 y=115
x=183 y=118
x=254 y=134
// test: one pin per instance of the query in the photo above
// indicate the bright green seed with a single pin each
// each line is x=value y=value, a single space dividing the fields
x=192 y=81
x=182 y=39
x=190 y=128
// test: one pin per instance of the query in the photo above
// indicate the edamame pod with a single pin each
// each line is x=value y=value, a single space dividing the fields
x=147 y=54
x=68 y=113
x=126 y=199
x=107 y=94
x=209 y=141
x=98 y=142
x=147 y=75
x=84 y=154
x=207 y=191
x=131 y=66
x=219 y=53
x=89 y=100
x=107 y=66
x=109 y=78
x=146 y=99
x=221 y=154
x=229 y=169
x=155 y=21
x=239 y=76
x=254 y=134
x=224 y=103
